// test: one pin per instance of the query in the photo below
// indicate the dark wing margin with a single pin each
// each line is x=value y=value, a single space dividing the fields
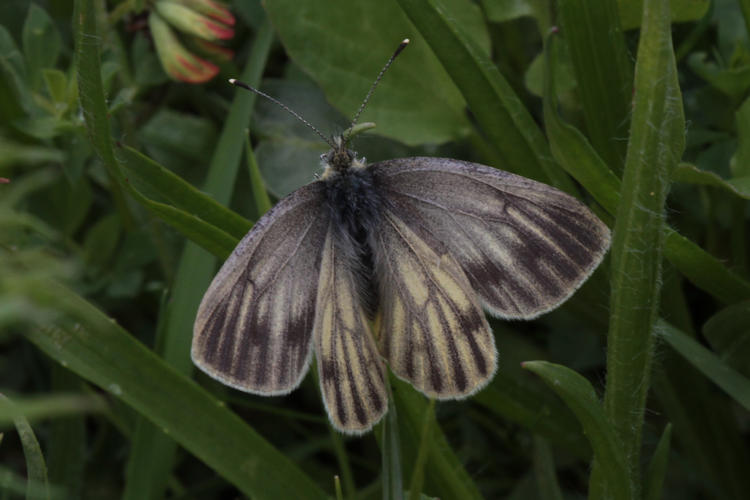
x=524 y=246
x=350 y=368
x=253 y=330
x=431 y=326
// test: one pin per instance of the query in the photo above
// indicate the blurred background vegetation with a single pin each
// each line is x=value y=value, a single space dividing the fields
x=122 y=145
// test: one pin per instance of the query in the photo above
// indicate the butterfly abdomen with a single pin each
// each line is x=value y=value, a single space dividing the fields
x=354 y=204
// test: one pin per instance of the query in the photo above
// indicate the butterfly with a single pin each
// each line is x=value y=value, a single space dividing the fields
x=391 y=265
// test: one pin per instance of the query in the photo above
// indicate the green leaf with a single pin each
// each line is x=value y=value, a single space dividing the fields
x=571 y=148
x=446 y=476
x=66 y=443
x=151 y=457
x=153 y=177
x=565 y=81
x=580 y=397
x=48 y=406
x=16 y=153
x=693 y=175
x=740 y=163
x=11 y=55
x=530 y=406
x=704 y=270
x=181 y=141
x=37 y=486
x=92 y=99
x=708 y=363
x=57 y=85
x=415 y=102
x=14 y=96
x=41 y=43
x=212 y=239
x=260 y=196
x=392 y=473
x=603 y=70
x=574 y=153
x=733 y=81
x=681 y=10
x=506 y=10
x=544 y=470
x=497 y=109
x=657 y=140
x=101 y=241
x=196 y=267
x=100 y=351
x=657 y=468
x=425 y=443
x=728 y=332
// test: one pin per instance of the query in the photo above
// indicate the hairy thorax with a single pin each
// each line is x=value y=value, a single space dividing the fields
x=354 y=203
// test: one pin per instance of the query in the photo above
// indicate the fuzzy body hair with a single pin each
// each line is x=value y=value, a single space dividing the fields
x=354 y=205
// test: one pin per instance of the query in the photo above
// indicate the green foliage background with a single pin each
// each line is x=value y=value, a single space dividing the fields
x=126 y=190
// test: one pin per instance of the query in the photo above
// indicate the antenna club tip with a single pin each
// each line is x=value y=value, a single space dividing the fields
x=232 y=81
x=405 y=41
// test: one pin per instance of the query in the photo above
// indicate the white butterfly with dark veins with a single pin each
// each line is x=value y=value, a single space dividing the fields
x=391 y=264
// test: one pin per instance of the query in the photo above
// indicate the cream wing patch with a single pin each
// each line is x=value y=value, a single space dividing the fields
x=349 y=365
x=254 y=325
x=432 y=328
x=524 y=246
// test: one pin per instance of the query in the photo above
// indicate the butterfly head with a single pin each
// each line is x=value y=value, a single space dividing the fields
x=340 y=158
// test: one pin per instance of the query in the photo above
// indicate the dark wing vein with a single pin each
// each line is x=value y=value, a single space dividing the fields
x=254 y=326
x=432 y=329
x=349 y=366
x=524 y=246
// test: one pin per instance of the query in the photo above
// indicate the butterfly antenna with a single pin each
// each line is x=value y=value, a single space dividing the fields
x=401 y=47
x=283 y=106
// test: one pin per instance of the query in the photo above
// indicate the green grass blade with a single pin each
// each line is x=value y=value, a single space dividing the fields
x=704 y=270
x=260 y=195
x=657 y=468
x=66 y=444
x=657 y=140
x=142 y=169
x=738 y=186
x=100 y=351
x=544 y=470
x=151 y=457
x=54 y=405
x=708 y=363
x=571 y=148
x=531 y=407
x=574 y=153
x=728 y=333
x=498 y=110
x=92 y=98
x=392 y=472
x=209 y=237
x=37 y=487
x=445 y=476
x=196 y=267
x=579 y=395
x=604 y=73
x=95 y=114
x=417 y=476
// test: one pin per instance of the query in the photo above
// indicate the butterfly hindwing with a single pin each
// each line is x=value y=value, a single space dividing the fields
x=254 y=325
x=524 y=246
x=432 y=328
x=349 y=365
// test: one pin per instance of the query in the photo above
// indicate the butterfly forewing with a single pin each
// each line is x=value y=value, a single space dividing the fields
x=254 y=326
x=349 y=366
x=525 y=247
x=432 y=328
